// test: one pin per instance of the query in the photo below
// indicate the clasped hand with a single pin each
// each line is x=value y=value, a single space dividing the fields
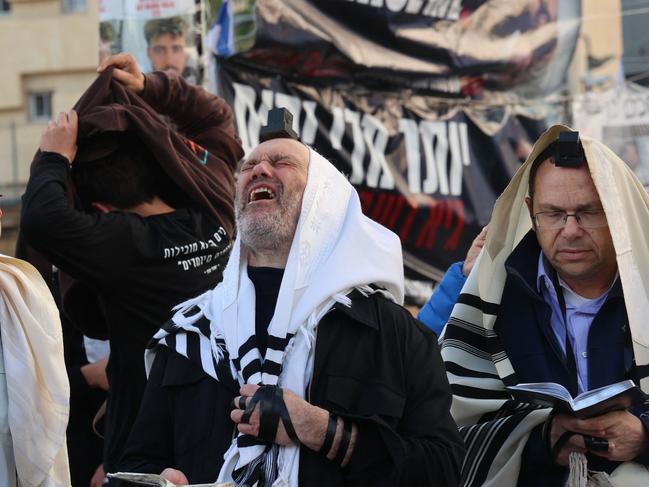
x=625 y=433
x=310 y=422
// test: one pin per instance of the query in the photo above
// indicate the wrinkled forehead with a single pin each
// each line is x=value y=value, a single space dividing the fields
x=553 y=179
x=275 y=148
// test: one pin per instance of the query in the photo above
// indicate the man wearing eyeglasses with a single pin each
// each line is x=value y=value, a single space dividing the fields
x=577 y=279
x=561 y=317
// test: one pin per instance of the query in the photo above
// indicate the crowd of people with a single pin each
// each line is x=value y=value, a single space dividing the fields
x=254 y=327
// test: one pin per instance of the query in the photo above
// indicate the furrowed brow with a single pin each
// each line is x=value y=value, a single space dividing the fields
x=278 y=156
x=247 y=162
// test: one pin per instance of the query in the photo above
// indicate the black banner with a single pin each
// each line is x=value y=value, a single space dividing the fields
x=426 y=170
x=468 y=47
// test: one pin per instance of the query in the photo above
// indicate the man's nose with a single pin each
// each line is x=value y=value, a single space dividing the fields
x=571 y=228
x=263 y=169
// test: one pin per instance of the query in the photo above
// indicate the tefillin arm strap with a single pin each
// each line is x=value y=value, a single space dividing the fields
x=566 y=151
x=272 y=410
x=571 y=363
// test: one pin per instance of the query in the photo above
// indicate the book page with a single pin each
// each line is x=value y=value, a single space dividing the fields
x=610 y=397
x=545 y=388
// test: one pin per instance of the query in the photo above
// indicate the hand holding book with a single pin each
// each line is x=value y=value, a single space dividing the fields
x=624 y=433
x=597 y=421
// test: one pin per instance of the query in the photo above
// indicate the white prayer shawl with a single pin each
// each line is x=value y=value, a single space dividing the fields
x=626 y=204
x=37 y=384
x=335 y=250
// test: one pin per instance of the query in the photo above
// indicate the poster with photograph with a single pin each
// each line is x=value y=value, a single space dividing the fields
x=620 y=119
x=161 y=34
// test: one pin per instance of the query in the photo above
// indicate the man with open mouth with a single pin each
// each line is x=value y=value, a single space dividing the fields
x=301 y=367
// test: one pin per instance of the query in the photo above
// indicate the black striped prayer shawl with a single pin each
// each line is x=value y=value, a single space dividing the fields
x=335 y=250
x=188 y=333
x=496 y=428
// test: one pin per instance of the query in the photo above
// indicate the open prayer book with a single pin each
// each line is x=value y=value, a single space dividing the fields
x=614 y=397
x=156 y=480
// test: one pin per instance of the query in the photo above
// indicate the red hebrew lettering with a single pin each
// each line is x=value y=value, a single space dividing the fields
x=448 y=206
x=395 y=214
x=454 y=240
x=428 y=233
x=366 y=198
x=376 y=211
x=389 y=205
x=405 y=230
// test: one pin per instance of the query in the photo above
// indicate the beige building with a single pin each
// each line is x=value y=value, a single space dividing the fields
x=48 y=54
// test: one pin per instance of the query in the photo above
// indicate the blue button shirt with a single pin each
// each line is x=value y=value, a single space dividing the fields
x=580 y=313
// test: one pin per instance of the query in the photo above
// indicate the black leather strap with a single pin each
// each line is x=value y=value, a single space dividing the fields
x=571 y=363
x=547 y=429
x=286 y=418
x=344 y=442
x=594 y=443
x=332 y=426
x=242 y=402
x=563 y=439
x=272 y=410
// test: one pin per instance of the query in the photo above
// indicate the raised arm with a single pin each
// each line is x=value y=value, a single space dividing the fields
x=201 y=116
x=78 y=242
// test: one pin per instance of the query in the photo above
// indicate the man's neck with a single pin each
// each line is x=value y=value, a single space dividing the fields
x=268 y=258
x=591 y=288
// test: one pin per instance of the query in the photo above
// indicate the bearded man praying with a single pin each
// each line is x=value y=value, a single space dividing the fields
x=301 y=368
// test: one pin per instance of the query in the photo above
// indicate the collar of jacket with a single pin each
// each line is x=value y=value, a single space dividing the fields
x=363 y=309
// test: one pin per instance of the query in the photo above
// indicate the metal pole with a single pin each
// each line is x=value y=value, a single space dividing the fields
x=14 y=151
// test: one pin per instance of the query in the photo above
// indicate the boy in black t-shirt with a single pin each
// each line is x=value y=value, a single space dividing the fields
x=142 y=242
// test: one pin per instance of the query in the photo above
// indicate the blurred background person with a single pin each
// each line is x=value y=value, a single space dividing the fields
x=166 y=46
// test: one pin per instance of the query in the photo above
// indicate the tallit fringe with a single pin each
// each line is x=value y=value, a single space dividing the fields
x=218 y=348
x=578 y=470
x=190 y=303
x=581 y=477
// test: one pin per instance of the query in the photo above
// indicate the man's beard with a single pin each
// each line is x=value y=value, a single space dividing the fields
x=269 y=230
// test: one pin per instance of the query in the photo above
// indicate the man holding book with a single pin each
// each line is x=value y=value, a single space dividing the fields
x=558 y=295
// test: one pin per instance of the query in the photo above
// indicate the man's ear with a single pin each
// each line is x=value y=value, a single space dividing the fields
x=103 y=207
x=528 y=202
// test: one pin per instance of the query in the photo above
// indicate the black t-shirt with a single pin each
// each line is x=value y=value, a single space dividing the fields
x=267 y=281
x=139 y=267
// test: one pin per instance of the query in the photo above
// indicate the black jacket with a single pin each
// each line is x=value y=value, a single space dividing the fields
x=373 y=362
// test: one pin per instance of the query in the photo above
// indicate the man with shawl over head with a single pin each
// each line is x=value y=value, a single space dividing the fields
x=332 y=382
x=560 y=293
x=154 y=220
x=34 y=391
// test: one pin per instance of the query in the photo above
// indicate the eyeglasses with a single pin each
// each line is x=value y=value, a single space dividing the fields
x=553 y=220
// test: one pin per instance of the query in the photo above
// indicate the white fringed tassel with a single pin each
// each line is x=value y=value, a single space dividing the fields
x=578 y=470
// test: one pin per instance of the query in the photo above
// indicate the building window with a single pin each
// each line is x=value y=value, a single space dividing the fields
x=40 y=106
x=4 y=7
x=74 y=5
